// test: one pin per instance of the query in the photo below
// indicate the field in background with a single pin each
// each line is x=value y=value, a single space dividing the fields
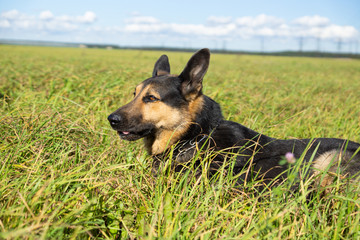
x=65 y=174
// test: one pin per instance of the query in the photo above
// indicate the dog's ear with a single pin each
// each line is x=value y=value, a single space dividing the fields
x=193 y=74
x=162 y=66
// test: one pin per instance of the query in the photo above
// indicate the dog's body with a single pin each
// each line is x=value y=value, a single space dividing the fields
x=170 y=110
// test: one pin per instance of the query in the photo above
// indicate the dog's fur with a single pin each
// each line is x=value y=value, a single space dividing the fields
x=171 y=110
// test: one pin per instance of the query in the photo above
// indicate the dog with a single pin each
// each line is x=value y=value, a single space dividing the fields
x=171 y=113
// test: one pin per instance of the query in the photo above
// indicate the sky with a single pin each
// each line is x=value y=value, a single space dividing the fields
x=256 y=25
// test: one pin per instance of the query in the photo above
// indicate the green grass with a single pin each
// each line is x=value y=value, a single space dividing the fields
x=65 y=174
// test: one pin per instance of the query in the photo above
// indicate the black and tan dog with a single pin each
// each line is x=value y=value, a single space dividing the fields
x=171 y=110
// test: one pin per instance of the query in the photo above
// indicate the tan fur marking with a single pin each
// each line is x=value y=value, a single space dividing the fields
x=322 y=163
x=195 y=107
x=165 y=138
x=171 y=123
x=162 y=115
x=134 y=107
x=161 y=72
x=152 y=92
x=194 y=95
x=138 y=88
x=177 y=124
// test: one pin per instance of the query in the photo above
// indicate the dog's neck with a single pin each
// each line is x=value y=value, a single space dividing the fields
x=158 y=142
x=204 y=116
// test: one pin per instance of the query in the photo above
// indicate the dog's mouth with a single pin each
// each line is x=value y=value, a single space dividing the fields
x=133 y=136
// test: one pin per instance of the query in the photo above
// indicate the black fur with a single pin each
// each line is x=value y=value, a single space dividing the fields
x=209 y=129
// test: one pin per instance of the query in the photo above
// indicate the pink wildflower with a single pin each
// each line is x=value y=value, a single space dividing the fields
x=290 y=158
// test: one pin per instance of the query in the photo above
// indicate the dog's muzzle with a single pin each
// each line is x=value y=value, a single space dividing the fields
x=125 y=131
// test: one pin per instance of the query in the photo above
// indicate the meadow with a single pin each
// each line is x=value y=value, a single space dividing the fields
x=65 y=174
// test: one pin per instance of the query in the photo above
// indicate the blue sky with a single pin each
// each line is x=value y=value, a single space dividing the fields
x=256 y=25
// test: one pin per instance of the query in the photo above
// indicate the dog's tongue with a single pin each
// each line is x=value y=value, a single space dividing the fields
x=126 y=133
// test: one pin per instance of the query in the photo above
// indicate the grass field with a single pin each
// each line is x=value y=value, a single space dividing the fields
x=65 y=174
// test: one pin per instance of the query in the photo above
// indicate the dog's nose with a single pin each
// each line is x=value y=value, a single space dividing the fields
x=114 y=119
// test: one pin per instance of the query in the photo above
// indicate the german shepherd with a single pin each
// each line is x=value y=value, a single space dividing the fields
x=171 y=113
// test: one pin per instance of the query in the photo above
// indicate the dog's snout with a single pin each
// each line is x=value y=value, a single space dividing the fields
x=114 y=119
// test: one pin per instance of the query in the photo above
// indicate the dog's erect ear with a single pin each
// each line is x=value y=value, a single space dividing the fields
x=162 y=66
x=193 y=73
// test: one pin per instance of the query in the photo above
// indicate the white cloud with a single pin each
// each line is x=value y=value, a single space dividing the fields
x=46 y=15
x=147 y=24
x=215 y=28
x=215 y=20
x=145 y=28
x=202 y=30
x=321 y=27
x=266 y=32
x=88 y=17
x=243 y=27
x=142 y=20
x=45 y=21
x=4 y=23
x=312 y=21
x=11 y=15
x=336 y=31
x=258 y=21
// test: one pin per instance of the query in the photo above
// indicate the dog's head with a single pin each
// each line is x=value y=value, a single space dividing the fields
x=164 y=102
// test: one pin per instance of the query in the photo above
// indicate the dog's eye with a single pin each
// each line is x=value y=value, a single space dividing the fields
x=134 y=93
x=150 y=98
